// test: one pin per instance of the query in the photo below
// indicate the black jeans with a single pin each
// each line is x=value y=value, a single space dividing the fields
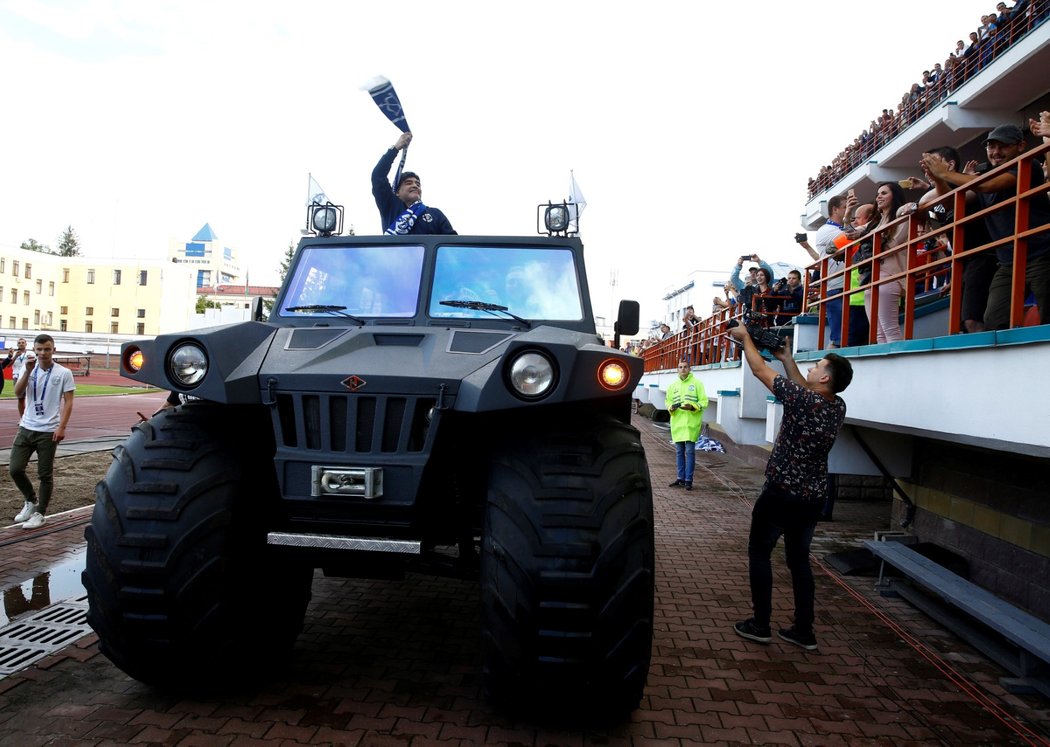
x=777 y=513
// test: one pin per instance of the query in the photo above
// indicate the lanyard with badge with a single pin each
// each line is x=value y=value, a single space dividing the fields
x=38 y=403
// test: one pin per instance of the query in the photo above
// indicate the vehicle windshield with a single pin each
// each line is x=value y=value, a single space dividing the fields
x=371 y=281
x=532 y=283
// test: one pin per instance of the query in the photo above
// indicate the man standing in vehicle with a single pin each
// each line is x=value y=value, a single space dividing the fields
x=686 y=400
x=401 y=207
x=796 y=483
x=48 y=389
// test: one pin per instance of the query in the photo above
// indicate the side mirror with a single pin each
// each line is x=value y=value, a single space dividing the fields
x=626 y=320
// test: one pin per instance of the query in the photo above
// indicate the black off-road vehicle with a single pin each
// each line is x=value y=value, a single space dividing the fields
x=432 y=404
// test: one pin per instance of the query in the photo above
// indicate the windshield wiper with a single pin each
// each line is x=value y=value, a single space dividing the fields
x=327 y=309
x=492 y=308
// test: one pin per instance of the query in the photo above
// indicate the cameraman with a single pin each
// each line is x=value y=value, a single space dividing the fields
x=796 y=483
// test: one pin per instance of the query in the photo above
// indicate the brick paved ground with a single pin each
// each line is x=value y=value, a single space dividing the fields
x=384 y=663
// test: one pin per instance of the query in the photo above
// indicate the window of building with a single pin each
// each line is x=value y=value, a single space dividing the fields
x=140 y=329
x=91 y=277
x=114 y=311
x=25 y=298
x=116 y=277
x=141 y=314
x=143 y=275
x=62 y=325
x=89 y=311
x=89 y=327
x=14 y=297
x=12 y=322
x=36 y=318
x=63 y=309
x=14 y=268
x=51 y=288
x=1 y=293
x=3 y=261
x=25 y=322
x=114 y=328
x=48 y=320
x=39 y=286
x=29 y=271
x=65 y=274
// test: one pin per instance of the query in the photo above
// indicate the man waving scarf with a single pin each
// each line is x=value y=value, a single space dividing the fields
x=401 y=205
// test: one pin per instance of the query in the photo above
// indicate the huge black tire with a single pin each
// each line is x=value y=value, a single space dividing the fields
x=567 y=573
x=182 y=591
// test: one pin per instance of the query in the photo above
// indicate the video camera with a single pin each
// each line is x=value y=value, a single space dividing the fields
x=763 y=338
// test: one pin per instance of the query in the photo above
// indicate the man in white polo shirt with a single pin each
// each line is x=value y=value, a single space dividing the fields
x=48 y=390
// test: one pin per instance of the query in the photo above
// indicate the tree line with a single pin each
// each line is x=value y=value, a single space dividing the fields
x=68 y=245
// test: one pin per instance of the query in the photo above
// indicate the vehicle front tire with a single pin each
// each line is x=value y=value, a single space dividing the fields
x=567 y=572
x=182 y=589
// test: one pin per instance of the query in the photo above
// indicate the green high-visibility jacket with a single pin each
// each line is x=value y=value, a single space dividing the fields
x=685 y=423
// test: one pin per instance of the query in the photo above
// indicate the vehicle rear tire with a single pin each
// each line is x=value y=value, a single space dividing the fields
x=182 y=590
x=567 y=573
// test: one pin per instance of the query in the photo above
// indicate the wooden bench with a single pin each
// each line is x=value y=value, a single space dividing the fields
x=1016 y=640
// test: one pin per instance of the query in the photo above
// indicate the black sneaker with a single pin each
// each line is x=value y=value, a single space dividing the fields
x=688 y=484
x=676 y=483
x=750 y=630
x=807 y=641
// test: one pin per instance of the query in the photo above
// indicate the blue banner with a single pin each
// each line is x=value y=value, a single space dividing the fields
x=383 y=93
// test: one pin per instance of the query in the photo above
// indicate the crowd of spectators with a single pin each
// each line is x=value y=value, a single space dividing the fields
x=996 y=33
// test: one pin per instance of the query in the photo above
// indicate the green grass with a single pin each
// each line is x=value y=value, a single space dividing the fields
x=90 y=390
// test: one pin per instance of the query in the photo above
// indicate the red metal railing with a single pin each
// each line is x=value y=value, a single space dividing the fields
x=707 y=342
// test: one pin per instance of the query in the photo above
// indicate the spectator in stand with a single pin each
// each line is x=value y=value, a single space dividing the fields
x=689 y=319
x=734 y=274
x=1041 y=128
x=729 y=302
x=825 y=246
x=665 y=331
x=761 y=287
x=889 y=197
x=789 y=307
x=960 y=50
x=1003 y=144
x=858 y=317
x=1004 y=15
x=978 y=269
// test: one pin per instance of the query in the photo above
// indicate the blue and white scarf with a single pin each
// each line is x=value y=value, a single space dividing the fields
x=404 y=222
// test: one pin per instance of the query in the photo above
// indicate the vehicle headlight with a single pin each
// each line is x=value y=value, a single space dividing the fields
x=532 y=375
x=187 y=364
x=613 y=374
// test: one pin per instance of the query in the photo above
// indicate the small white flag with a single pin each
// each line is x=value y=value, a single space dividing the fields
x=577 y=203
x=314 y=194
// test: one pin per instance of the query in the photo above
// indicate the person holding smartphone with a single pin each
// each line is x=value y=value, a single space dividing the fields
x=686 y=401
x=734 y=274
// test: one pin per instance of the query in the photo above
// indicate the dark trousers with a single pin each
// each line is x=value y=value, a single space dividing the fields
x=27 y=442
x=773 y=516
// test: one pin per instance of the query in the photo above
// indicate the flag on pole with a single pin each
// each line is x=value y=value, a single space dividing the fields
x=314 y=194
x=577 y=203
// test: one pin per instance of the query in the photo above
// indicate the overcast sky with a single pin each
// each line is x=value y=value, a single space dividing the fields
x=691 y=127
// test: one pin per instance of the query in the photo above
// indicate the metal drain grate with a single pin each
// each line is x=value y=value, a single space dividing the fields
x=32 y=638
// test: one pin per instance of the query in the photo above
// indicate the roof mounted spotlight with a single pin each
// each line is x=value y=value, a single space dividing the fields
x=557 y=219
x=324 y=219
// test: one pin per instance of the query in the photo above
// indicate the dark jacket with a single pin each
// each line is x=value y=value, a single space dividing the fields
x=390 y=207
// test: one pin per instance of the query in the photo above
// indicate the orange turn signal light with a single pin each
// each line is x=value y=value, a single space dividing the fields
x=613 y=374
x=134 y=359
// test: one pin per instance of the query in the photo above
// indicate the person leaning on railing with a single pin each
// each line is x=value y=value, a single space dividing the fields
x=1003 y=144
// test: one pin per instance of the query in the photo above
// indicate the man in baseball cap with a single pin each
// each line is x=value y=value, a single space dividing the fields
x=1003 y=145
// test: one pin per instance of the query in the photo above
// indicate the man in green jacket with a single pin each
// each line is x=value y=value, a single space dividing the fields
x=685 y=401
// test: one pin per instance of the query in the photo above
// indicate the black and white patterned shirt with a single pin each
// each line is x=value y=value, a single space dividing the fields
x=799 y=462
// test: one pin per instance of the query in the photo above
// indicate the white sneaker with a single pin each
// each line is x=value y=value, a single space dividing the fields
x=27 y=511
x=34 y=521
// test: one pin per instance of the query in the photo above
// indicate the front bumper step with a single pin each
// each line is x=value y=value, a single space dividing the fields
x=337 y=542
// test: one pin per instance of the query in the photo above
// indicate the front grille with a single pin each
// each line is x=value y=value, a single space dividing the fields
x=353 y=424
